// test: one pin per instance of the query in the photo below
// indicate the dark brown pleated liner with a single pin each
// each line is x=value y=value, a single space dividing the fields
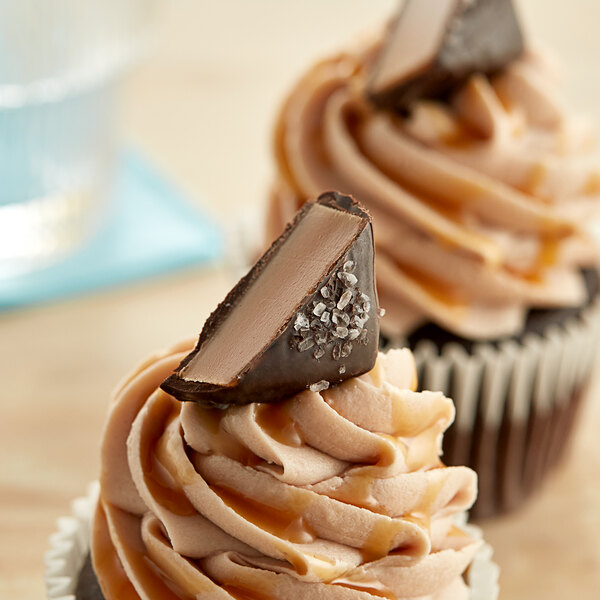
x=88 y=587
x=513 y=460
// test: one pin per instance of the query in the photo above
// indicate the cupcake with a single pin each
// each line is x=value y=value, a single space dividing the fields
x=306 y=466
x=450 y=129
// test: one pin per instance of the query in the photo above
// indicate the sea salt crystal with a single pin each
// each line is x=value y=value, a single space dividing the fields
x=347 y=278
x=306 y=344
x=302 y=322
x=320 y=338
x=344 y=300
x=319 y=309
x=319 y=386
x=353 y=334
x=341 y=332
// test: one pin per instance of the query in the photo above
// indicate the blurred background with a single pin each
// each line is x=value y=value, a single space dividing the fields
x=140 y=132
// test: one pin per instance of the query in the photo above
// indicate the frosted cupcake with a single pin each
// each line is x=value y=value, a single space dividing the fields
x=332 y=487
x=451 y=131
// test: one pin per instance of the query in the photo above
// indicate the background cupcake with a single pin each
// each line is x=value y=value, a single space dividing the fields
x=481 y=193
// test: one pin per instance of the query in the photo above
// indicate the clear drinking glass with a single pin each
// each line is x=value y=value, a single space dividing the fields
x=60 y=65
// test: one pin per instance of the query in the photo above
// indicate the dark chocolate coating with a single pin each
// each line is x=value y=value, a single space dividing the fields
x=88 y=587
x=280 y=370
x=485 y=36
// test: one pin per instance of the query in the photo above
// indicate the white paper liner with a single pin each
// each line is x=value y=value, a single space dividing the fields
x=483 y=573
x=70 y=544
x=528 y=387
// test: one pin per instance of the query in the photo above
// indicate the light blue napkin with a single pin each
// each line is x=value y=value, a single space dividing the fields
x=153 y=229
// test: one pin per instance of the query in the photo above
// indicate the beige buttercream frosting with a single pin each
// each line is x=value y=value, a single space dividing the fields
x=339 y=494
x=480 y=203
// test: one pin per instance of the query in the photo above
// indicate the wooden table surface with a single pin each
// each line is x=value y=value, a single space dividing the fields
x=202 y=107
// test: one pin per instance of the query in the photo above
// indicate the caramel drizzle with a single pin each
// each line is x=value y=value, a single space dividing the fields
x=276 y=421
x=354 y=123
x=448 y=295
x=452 y=297
x=535 y=178
x=161 y=481
x=183 y=577
x=112 y=577
x=111 y=574
x=374 y=588
x=285 y=523
x=456 y=531
x=592 y=185
x=451 y=132
x=221 y=441
x=379 y=542
x=548 y=255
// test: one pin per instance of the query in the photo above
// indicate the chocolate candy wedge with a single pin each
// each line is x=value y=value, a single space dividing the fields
x=304 y=317
x=434 y=45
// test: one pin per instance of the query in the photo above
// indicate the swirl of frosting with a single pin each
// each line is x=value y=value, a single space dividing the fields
x=339 y=494
x=479 y=203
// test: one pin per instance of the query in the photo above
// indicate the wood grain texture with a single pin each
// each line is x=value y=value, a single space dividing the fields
x=202 y=107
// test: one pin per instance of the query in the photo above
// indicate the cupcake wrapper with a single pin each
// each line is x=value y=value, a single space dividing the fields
x=515 y=404
x=70 y=545
x=482 y=575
